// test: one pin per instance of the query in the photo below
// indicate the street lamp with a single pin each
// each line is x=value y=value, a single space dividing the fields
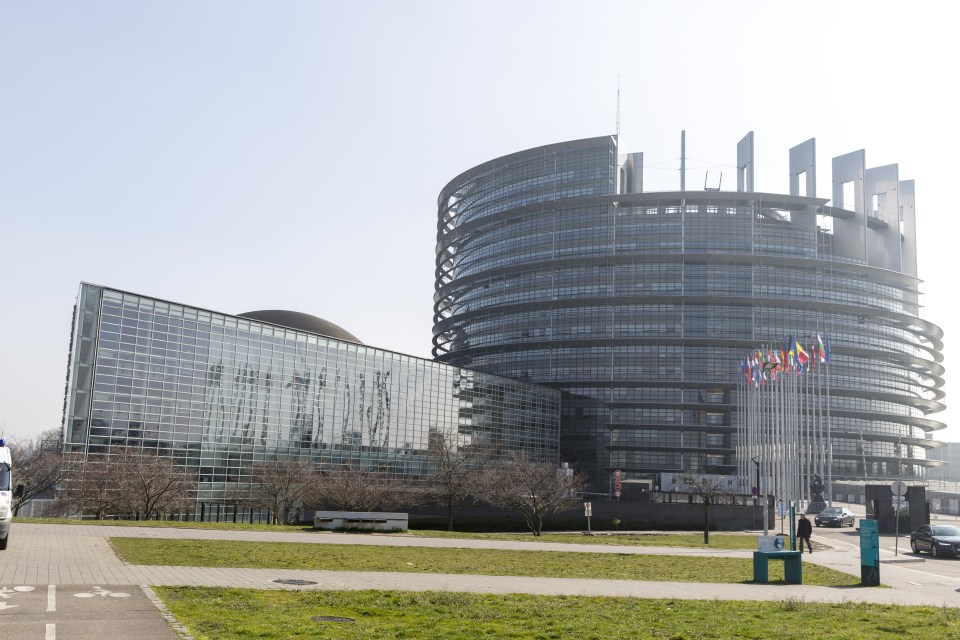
x=763 y=514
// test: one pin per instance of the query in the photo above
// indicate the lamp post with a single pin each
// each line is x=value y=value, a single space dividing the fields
x=763 y=503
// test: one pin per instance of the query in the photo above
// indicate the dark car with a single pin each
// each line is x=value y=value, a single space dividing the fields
x=835 y=517
x=938 y=539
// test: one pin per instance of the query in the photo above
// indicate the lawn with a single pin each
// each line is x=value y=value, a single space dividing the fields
x=652 y=539
x=554 y=564
x=660 y=539
x=238 y=614
x=175 y=524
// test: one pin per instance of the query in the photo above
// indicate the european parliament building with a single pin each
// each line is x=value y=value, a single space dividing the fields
x=219 y=393
x=554 y=266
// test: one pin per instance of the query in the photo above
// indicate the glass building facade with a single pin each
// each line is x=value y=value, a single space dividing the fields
x=220 y=393
x=554 y=267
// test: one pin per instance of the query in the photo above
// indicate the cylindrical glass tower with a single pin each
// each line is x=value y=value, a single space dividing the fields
x=553 y=268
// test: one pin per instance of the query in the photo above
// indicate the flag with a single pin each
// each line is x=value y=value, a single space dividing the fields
x=818 y=352
x=827 y=350
x=790 y=348
x=769 y=362
x=802 y=356
x=778 y=365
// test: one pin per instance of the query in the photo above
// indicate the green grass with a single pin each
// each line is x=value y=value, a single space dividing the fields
x=717 y=540
x=237 y=614
x=174 y=524
x=554 y=564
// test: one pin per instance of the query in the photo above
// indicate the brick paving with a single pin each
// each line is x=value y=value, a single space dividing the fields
x=81 y=555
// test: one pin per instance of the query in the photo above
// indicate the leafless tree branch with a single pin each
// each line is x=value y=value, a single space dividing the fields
x=532 y=489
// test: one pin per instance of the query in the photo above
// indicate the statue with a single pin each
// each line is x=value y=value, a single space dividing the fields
x=817 y=503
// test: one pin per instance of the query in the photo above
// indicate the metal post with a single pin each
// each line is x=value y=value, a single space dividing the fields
x=763 y=498
x=793 y=526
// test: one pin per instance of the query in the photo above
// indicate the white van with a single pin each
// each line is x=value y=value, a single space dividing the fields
x=7 y=494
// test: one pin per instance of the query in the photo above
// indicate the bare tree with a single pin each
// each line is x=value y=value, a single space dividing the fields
x=128 y=481
x=284 y=487
x=91 y=485
x=150 y=484
x=38 y=466
x=532 y=489
x=711 y=490
x=457 y=472
x=358 y=489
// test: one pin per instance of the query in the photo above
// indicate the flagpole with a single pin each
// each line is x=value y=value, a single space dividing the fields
x=808 y=457
x=829 y=429
x=794 y=464
x=821 y=445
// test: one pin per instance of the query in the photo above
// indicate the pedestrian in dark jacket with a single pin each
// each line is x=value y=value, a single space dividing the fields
x=804 y=531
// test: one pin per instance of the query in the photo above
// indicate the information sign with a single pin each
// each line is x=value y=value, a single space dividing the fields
x=869 y=553
x=770 y=543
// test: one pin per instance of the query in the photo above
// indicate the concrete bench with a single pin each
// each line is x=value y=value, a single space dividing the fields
x=372 y=520
x=792 y=565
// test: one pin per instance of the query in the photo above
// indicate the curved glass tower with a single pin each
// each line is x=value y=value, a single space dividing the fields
x=554 y=267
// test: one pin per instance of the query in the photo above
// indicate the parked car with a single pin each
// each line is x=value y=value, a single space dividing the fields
x=937 y=539
x=835 y=517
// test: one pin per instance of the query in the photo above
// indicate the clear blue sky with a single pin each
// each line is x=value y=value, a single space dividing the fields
x=242 y=155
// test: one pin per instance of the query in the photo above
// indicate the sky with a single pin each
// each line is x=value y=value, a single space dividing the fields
x=240 y=155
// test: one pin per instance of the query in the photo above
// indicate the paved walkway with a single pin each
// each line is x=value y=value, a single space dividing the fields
x=80 y=555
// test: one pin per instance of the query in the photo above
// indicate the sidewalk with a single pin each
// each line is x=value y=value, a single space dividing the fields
x=80 y=555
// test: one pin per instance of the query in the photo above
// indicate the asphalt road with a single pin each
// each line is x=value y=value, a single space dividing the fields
x=52 y=612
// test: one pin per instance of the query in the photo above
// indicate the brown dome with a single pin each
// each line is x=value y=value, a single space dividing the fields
x=301 y=322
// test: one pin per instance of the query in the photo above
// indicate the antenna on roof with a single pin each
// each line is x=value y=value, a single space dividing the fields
x=618 y=110
x=683 y=160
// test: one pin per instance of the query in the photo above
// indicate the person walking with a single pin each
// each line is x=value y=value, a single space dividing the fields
x=804 y=531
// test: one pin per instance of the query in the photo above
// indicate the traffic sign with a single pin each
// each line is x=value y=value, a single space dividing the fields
x=899 y=488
